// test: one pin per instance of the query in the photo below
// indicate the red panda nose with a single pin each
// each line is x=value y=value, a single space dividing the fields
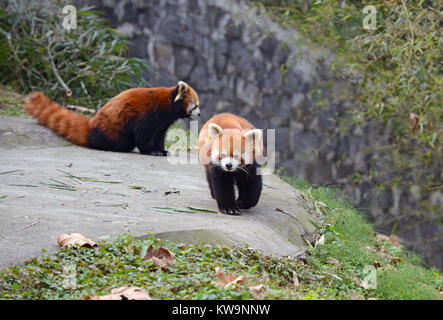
x=229 y=165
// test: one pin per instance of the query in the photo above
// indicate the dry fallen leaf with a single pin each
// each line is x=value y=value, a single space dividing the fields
x=259 y=291
x=68 y=240
x=383 y=252
x=161 y=257
x=377 y=264
x=227 y=279
x=413 y=121
x=336 y=277
x=122 y=293
x=333 y=262
x=393 y=239
x=295 y=279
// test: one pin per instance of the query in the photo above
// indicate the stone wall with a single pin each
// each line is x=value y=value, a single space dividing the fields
x=233 y=55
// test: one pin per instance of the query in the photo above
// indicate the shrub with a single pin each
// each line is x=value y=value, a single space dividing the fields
x=36 y=52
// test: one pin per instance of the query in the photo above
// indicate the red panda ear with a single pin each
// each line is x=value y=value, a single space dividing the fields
x=182 y=89
x=213 y=131
x=253 y=135
x=254 y=142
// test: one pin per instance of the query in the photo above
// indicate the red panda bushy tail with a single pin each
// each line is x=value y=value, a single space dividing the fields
x=50 y=114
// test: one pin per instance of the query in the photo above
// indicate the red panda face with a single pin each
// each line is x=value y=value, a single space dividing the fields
x=232 y=149
x=226 y=150
x=191 y=103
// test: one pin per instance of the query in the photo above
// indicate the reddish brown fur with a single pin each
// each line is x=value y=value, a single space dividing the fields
x=50 y=114
x=237 y=126
x=111 y=119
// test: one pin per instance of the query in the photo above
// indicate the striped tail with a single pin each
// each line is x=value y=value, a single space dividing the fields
x=67 y=124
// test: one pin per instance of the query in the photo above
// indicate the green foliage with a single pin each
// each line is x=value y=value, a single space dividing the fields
x=119 y=263
x=10 y=102
x=37 y=53
x=401 y=283
x=399 y=64
x=350 y=239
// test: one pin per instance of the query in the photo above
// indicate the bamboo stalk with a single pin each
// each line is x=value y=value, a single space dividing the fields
x=80 y=109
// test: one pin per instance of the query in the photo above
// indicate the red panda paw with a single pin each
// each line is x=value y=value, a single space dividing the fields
x=232 y=211
x=242 y=205
x=158 y=153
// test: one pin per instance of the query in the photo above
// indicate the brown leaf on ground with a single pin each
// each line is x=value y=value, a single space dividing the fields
x=382 y=251
x=226 y=279
x=122 y=293
x=413 y=121
x=393 y=239
x=68 y=240
x=161 y=257
x=391 y=259
x=333 y=262
x=259 y=291
x=377 y=264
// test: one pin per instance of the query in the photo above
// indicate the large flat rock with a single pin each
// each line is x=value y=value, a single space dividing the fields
x=33 y=213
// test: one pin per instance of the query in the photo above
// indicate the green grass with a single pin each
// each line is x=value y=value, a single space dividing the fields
x=10 y=102
x=348 y=238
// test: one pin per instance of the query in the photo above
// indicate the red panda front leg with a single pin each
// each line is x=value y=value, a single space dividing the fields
x=159 y=142
x=208 y=178
x=145 y=141
x=249 y=187
x=223 y=188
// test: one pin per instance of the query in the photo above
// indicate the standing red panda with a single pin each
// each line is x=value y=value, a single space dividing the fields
x=229 y=147
x=136 y=117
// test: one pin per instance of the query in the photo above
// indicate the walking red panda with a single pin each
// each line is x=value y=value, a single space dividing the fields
x=136 y=117
x=229 y=147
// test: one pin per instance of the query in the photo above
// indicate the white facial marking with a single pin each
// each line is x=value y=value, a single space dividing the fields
x=214 y=155
x=190 y=107
x=229 y=164
x=193 y=110
x=195 y=113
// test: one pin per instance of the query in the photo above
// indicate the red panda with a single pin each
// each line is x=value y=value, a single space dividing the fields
x=136 y=117
x=229 y=147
